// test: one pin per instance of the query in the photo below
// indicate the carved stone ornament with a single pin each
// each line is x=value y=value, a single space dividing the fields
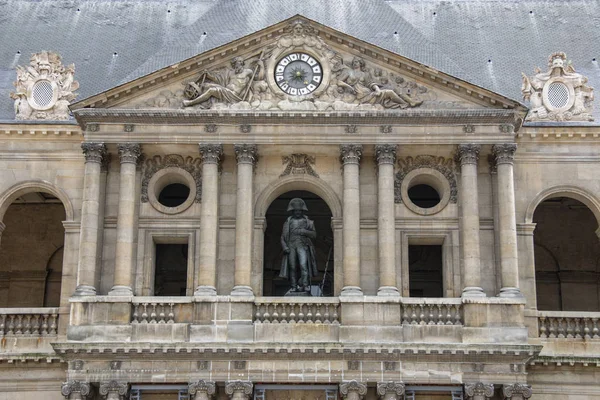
x=560 y=94
x=129 y=152
x=211 y=153
x=479 y=390
x=445 y=166
x=504 y=153
x=202 y=389
x=76 y=389
x=390 y=390
x=246 y=153
x=238 y=389
x=353 y=390
x=93 y=152
x=516 y=391
x=350 y=153
x=113 y=390
x=385 y=153
x=156 y=163
x=468 y=153
x=44 y=88
x=298 y=164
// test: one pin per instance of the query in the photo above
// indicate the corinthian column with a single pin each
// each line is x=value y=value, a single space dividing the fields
x=507 y=224
x=201 y=390
x=468 y=155
x=386 y=220
x=350 y=157
x=209 y=219
x=247 y=156
x=90 y=210
x=113 y=390
x=239 y=390
x=129 y=154
x=479 y=391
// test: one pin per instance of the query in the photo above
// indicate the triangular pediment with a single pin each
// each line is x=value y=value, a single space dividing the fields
x=298 y=65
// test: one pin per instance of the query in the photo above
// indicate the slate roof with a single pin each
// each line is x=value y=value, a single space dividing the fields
x=488 y=43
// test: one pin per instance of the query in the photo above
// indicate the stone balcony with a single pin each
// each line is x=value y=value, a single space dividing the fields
x=28 y=330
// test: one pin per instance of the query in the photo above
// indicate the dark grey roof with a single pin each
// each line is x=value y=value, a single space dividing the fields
x=488 y=43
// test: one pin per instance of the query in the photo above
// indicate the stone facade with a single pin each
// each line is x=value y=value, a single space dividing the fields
x=392 y=174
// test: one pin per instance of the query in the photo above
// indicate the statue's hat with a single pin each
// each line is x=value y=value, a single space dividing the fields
x=297 y=204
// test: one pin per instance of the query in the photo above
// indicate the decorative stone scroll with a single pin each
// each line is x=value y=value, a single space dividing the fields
x=76 y=390
x=44 y=88
x=560 y=94
x=504 y=153
x=94 y=152
x=154 y=164
x=211 y=153
x=468 y=154
x=246 y=153
x=390 y=390
x=479 y=391
x=353 y=390
x=350 y=153
x=445 y=166
x=516 y=391
x=113 y=390
x=201 y=390
x=298 y=163
x=129 y=152
x=239 y=390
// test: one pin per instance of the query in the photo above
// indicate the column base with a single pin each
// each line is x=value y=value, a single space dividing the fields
x=473 y=291
x=120 y=290
x=85 y=290
x=241 y=290
x=388 y=291
x=512 y=292
x=351 y=291
x=205 y=291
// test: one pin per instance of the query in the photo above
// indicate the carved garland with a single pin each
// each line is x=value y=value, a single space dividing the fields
x=445 y=166
x=156 y=163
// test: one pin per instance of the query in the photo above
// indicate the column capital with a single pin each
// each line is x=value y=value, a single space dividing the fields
x=504 y=153
x=211 y=153
x=479 y=390
x=350 y=153
x=129 y=152
x=390 y=390
x=113 y=390
x=238 y=389
x=93 y=151
x=353 y=390
x=385 y=153
x=76 y=389
x=516 y=391
x=246 y=153
x=468 y=153
x=202 y=390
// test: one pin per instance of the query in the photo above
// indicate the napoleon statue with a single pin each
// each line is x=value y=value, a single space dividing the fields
x=298 y=248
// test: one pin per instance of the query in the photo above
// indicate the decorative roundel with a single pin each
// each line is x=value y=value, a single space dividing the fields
x=298 y=74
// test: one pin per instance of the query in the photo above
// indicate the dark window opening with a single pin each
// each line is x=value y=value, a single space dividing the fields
x=424 y=196
x=170 y=277
x=425 y=271
x=174 y=195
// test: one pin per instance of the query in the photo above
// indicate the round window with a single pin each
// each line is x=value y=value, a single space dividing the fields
x=172 y=190
x=43 y=95
x=424 y=196
x=173 y=195
x=425 y=191
x=558 y=94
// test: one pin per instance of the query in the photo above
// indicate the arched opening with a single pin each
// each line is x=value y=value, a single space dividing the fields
x=318 y=211
x=567 y=256
x=31 y=251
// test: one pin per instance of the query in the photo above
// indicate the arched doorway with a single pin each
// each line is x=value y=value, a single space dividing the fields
x=276 y=215
x=31 y=251
x=567 y=256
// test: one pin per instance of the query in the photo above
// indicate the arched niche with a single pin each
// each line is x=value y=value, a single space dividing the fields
x=23 y=188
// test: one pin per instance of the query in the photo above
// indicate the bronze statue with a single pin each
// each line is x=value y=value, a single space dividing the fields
x=298 y=248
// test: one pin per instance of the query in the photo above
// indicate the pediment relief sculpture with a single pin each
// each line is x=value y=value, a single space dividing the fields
x=44 y=88
x=560 y=94
x=299 y=71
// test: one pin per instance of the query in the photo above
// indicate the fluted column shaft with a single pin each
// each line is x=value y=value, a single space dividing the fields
x=386 y=220
x=90 y=211
x=126 y=222
x=509 y=257
x=209 y=219
x=247 y=156
x=468 y=155
x=350 y=157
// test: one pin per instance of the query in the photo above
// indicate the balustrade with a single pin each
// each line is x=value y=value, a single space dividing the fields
x=428 y=312
x=153 y=311
x=569 y=325
x=28 y=322
x=320 y=311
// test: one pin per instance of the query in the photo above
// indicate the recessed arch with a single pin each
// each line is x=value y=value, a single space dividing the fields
x=298 y=182
x=21 y=188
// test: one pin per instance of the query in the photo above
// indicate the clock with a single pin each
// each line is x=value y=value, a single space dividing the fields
x=298 y=74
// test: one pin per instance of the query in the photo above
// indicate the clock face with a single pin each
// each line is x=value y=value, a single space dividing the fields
x=298 y=74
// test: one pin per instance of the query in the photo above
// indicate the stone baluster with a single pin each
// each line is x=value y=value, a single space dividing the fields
x=247 y=157
x=90 y=210
x=350 y=158
x=129 y=154
x=386 y=220
x=479 y=390
x=353 y=390
x=76 y=390
x=507 y=225
x=468 y=155
x=516 y=391
x=239 y=390
x=114 y=390
x=390 y=390
x=209 y=219
x=201 y=390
